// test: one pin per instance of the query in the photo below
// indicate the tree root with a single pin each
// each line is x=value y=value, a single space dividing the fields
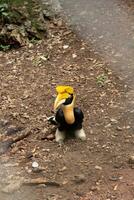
x=5 y=145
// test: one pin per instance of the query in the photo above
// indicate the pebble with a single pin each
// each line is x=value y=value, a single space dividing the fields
x=131 y=159
x=65 y=46
x=114 y=178
x=95 y=188
x=28 y=170
x=117 y=165
x=46 y=150
x=74 y=55
x=118 y=128
x=98 y=167
x=79 y=178
x=29 y=155
x=50 y=137
x=59 y=23
x=108 y=125
x=44 y=58
x=64 y=182
x=45 y=130
x=63 y=169
x=35 y=164
x=113 y=121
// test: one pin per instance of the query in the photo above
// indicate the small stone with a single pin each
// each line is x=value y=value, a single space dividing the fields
x=63 y=169
x=114 y=178
x=65 y=46
x=79 y=179
x=53 y=197
x=35 y=164
x=115 y=187
x=113 y=121
x=41 y=186
x=108 y=125
x=30 y=45
x=118 y=165
x=37 y=170
x=44 y=58
x=26 y=94
x=44 y=131
x=74 y=55
x=26 y=116
x=28 y=170
x=118 y=128
x=131 y=160
x=29 y=155
x=46 y=150
x=64 y=182
x=50 y=137
x=128 y=127
x=98 y=167
x=59 y=23
x=95 y=188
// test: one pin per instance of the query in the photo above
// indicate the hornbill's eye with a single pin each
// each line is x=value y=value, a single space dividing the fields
x=68 y=100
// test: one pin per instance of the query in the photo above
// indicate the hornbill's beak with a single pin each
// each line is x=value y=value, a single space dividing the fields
x=60 y=99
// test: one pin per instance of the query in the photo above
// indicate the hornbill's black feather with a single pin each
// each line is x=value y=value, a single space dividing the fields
x=62 y=124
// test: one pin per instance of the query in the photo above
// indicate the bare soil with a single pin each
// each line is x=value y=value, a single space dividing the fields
x=98 y=169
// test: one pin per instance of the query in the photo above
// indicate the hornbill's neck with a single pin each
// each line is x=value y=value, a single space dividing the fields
x=68 y=111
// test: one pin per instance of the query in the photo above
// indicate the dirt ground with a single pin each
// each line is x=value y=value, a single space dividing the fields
x=100 y=168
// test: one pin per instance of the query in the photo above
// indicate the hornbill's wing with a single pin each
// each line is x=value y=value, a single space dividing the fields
x=60 y=116
x=52 y=120
x=79 y=116
x=60 y=120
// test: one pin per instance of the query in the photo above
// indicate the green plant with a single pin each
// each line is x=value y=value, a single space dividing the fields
x=9 y=2
x=3 y=10
x=4 y=47
x=34 y=40
x=101 y=79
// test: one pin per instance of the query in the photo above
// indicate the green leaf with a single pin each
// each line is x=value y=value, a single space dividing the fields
x=4 y=47
x=4 y=6
x=5 y=14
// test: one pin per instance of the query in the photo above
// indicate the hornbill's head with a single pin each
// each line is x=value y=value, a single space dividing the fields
x=65 y=100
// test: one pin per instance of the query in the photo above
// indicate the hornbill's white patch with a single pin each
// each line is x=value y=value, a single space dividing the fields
x=60 y=136
x=80 y=134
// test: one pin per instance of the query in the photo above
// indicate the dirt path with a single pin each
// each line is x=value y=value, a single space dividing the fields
x=108 y=26
x=92 y=170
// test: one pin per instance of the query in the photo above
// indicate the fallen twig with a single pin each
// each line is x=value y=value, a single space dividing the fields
x=22 y=136
x=5 y=145
x=38 y=181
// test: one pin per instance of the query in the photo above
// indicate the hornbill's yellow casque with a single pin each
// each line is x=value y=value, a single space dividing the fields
x=68 y=117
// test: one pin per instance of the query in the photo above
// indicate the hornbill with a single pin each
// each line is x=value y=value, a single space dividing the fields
x=67 y=117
